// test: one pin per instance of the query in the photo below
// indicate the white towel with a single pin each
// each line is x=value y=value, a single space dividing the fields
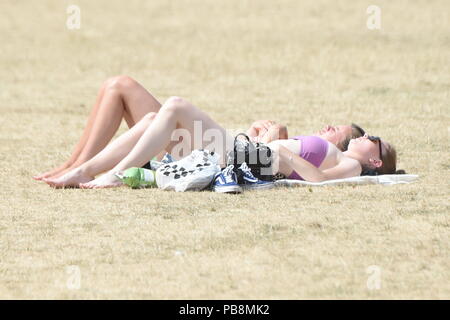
x=385 y=179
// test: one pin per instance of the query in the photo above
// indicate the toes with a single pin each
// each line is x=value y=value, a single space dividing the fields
x=54 y=183
x=99 y=186
x=102 y=186
x=48 y=181
x=42 y=176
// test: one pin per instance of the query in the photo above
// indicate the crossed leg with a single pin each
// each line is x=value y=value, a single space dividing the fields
x=119 y=97
x=127 y=151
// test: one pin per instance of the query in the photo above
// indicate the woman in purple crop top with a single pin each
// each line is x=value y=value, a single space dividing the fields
x=178 y=122
x=320 y=160
x=313 y=149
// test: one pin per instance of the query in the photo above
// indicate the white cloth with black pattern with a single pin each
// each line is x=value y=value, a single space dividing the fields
x=192 y=173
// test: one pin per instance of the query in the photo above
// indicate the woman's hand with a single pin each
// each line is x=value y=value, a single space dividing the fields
x=266 y=131
x=285 y=162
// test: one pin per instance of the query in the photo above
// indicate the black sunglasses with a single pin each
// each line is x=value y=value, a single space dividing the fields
x=373 y=139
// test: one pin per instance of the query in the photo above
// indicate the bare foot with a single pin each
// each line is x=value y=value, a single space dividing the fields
x=62 y=172
x=108 y=180
x=52 y=173
x=72 y=178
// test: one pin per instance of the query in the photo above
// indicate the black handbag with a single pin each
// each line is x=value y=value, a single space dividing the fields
x=258 y=157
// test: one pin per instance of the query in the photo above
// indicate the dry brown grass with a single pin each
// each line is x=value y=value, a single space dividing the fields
x=302 y=63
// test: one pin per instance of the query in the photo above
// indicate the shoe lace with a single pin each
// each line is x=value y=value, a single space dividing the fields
x=228 y=173
x=246 y=170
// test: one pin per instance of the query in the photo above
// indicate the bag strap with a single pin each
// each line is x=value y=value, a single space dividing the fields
x=241 y=134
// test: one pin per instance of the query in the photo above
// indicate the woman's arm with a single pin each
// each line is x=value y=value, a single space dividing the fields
x=275 y=132
x=259 y=127
x=266 y=131
x=289 y=161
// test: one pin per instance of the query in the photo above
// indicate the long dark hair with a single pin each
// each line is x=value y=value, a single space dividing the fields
x=389 y=159
x=357 y=132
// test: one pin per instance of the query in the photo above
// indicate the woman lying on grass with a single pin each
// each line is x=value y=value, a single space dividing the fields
x=152 y=135
x=124 y=98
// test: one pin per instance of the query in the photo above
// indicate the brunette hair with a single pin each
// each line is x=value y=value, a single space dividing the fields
x=357 y=132
x=389 y=158
x=389 y=165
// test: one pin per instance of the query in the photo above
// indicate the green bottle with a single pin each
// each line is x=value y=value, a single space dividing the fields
x=137 y=177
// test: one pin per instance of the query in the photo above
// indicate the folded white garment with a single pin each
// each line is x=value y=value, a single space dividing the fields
x=385 y=179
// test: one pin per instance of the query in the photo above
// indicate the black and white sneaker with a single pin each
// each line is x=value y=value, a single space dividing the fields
x=250 y=181
x=226 y=181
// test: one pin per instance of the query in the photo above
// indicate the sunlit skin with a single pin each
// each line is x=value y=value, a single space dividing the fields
x=143 y=141
x=118 y=98
x=365 y=150
x=267 y=131
x=336 y=165
x=335 y=134
x=122 y=97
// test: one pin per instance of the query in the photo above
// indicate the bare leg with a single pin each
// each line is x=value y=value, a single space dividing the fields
x=119 y=97
x=117 y=150
x=175 y=113
x=83 y=139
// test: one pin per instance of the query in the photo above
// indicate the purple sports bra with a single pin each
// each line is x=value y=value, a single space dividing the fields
x=313 y=149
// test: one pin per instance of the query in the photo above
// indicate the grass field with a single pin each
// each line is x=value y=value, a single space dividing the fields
x=302 y=63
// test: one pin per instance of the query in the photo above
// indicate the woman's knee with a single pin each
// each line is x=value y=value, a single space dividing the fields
x=120 y=83
x=146 y=120
x=176 y=105
x=150 y=116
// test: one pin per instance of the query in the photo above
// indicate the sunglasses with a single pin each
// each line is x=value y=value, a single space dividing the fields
x=374 y=139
